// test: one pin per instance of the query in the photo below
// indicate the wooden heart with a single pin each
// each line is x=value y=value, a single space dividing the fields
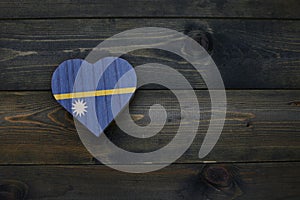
x=94 y=93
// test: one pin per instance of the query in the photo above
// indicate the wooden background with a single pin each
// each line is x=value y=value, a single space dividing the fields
x=256 y=46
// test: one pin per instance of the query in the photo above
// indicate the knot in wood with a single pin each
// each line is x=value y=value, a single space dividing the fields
x=217 y=176
x=202 y=37
x=13 y=190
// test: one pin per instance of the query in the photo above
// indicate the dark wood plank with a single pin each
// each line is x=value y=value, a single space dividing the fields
x=248 y=53
x=261 y=125
x=190 y=181
x=143 y=8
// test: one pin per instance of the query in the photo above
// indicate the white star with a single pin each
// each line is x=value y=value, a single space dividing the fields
x=79 y=108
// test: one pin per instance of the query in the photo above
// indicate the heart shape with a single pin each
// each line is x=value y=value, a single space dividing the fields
x=94 y=93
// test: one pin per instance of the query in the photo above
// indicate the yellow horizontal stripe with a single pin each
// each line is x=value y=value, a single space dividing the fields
x=94 y=93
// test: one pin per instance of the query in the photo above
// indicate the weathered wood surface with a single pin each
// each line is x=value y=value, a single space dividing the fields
x=261 y=125
x=144 y=8
x=255 y=44
x=248 y=53
x=266 y=181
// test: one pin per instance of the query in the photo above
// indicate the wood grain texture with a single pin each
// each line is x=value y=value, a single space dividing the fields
x=143 y=8
x=266 y=181
x=260 y=126
x=94 y=93
x=248 y=53
x=255 y=44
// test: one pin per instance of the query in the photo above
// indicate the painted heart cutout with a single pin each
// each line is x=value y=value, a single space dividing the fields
x=94 y=93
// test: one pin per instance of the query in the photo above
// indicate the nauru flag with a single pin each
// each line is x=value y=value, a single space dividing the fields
x=94 y=93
